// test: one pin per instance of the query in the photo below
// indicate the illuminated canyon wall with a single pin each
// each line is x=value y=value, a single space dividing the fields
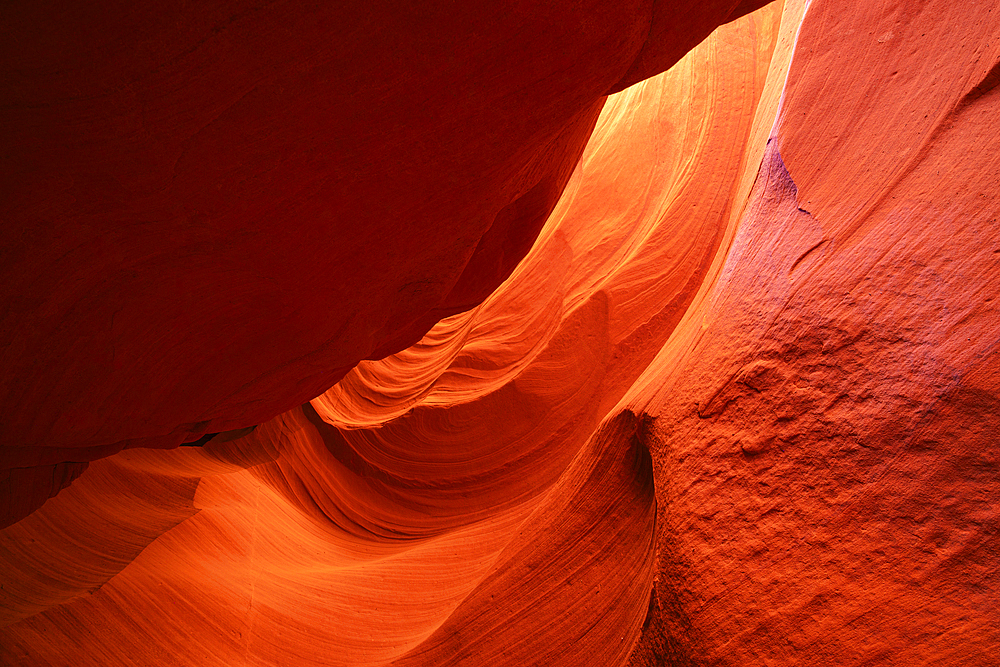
x=483 y=366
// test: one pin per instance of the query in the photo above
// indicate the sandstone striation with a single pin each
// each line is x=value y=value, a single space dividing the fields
x=699 y=373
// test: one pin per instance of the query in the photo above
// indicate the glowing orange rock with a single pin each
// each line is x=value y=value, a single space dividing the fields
x=824 y=435
x=464 y=485
x=736 y=406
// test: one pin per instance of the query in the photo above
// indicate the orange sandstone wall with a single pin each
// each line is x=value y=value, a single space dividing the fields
x=735 y=406
x=825 y=418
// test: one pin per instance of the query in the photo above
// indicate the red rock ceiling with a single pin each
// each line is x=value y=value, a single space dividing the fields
x=701 y=373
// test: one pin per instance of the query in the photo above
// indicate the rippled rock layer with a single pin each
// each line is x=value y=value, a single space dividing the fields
x=703 y=372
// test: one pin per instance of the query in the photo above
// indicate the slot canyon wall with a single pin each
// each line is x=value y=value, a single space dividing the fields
x=535 y=334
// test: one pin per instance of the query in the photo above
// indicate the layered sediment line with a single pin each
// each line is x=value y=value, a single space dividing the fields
x=722 y=390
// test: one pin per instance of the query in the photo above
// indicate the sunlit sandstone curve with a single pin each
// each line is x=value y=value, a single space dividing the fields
x=431 y=475
x=735 y=406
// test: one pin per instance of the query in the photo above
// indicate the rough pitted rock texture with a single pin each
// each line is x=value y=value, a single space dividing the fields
x=715 y=386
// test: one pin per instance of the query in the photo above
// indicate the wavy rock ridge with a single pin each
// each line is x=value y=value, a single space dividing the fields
x=712 y=380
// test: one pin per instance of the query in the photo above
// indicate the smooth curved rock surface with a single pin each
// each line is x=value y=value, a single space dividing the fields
x=737 y=404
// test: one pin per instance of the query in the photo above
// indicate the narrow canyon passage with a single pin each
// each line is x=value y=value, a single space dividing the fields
x=611 y=334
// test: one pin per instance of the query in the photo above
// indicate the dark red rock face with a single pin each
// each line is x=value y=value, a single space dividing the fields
x=243 y=202
x=700 y=373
